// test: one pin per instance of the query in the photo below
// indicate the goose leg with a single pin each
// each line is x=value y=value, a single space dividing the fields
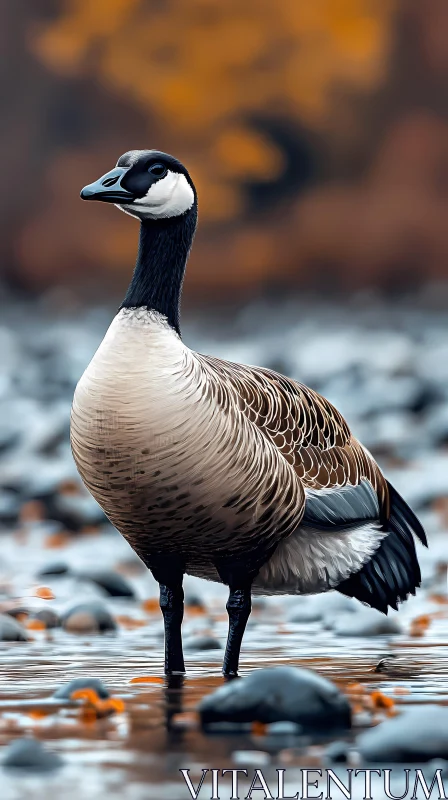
x=239 y=606
x=169 y=572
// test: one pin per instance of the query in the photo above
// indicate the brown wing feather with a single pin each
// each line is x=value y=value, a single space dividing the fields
x=307 y=429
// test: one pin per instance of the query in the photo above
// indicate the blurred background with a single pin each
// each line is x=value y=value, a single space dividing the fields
x=316 y=133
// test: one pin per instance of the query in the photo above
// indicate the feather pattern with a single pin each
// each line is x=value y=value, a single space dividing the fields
x=189 y=453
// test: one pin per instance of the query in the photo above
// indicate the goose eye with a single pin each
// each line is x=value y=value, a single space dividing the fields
x=157 y=169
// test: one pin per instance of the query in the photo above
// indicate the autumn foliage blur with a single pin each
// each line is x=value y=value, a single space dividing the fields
x=315 y=132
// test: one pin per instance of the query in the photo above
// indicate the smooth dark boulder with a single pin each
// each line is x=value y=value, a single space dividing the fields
x=111 y=582
x=204 y=642
x=337 y=753
x=367 y=622
x=55 y=569
x=279 y=694
x=49 y=617
x=11 y=630
x=30 y=754
x=66 y=690
x=88 y=617
x=418 y=734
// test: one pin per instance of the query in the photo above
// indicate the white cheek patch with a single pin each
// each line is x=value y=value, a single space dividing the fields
x=169 y=197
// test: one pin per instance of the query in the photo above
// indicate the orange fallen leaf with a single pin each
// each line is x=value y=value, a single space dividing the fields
x=88 y=715
x=195 y=611
x=32 y=511
x=54 y=540
x=381 y=700
x=146 y=679
x=93 y=703
x=44 y=593
x=39 y=713
x=151 y=605
x=258 y=728
x=90 y=695
x=90 y=530
x=36 y=625
x=356 y=689
x=130 y=622
x=69 y=486
x=420 y=625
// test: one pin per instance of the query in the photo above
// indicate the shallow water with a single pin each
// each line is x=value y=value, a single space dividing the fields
x=138 y=753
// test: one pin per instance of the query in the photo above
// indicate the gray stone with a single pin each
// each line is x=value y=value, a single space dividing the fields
x=88 y=617
x=11 y=630
x=111 y=582
x=49 y=617
x=30 y=754
x=66 y=690
x=418 y=734
x=366 y=622
x=337 y=753
x=202 y=643
x=56 y=569
x=279 y=694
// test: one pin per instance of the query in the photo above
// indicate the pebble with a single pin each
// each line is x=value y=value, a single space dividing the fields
x=113 y=584
x=418 y=734
x=66 y=690
x=366 y=622
x=49 y=617
x=89 y=617
x=278 y=694
x=11 y=630
x=193 y=601
x=55 y=569
x=31 y=754
x=9 y=507
x=337 y=753
x=202 y=643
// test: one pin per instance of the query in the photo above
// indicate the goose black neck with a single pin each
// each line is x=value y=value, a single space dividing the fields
x=159 y=271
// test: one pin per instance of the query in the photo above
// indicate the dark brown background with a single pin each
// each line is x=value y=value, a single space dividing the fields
x=316 y=134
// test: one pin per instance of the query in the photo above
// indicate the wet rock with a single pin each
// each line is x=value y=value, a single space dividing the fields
x=16 y=611
x=194 y=602
x=111 y=582
x=9 y=436
x=49 y=617
x=305 y=611
x=74 y=511
x=66 y=690
x=337 y=753
x=9 y=507
x=418 y=734
x=366 y=622
x=202 y=643
x=328 y=607
x=10 y=630
x=29 y=753
x=55 y=569
x=279 y=694
x=90 y=617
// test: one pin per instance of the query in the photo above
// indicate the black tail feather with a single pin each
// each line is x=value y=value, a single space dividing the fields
x=393 y=571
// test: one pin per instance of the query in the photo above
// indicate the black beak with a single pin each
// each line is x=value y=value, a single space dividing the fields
x=108 y=188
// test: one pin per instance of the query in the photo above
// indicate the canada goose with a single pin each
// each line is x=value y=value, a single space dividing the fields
x=228 y=472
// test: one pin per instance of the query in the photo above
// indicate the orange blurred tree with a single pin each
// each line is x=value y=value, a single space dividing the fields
x=201 y=72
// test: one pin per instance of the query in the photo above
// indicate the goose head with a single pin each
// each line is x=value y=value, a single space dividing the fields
x=147 y=184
